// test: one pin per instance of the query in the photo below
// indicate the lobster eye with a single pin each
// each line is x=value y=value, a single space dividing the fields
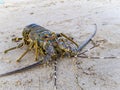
x=45 y=36
x=58 y=35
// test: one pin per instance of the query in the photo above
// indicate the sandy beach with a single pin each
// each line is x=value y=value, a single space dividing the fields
x=74 y=18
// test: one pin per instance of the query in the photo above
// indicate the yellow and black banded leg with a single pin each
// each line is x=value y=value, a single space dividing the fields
x=30 y=47
x=68 y=39
x=16 y=39
x=19 y=46
x=36 y=50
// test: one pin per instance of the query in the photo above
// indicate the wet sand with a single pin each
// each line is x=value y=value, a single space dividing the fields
x=71 y=17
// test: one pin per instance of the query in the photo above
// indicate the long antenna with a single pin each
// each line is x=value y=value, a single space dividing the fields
x=21 y=69
x=87 y=40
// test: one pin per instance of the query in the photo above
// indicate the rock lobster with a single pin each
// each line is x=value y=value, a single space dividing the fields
x=48 y=45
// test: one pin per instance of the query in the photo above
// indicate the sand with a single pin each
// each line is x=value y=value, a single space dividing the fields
x=71 y=17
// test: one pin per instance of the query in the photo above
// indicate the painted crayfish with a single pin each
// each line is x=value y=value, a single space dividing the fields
x=47 y=44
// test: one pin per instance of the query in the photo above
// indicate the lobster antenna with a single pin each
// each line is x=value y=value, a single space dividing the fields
x=21 y=69
x=87 y=40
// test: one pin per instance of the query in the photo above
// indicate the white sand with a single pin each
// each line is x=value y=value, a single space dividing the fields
x=72 y=17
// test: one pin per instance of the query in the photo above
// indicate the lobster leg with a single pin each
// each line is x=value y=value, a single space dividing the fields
x=16 y=39
x=68 y=39
x=36 y=50
x=30 y=47
x=19 y=46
